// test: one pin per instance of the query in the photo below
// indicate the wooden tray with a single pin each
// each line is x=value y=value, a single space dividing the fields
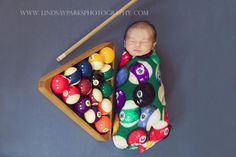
x=44 y=87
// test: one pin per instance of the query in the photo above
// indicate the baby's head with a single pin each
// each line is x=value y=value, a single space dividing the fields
x=140 y=38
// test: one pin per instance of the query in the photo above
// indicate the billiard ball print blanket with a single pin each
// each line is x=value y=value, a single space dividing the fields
x=140 y=109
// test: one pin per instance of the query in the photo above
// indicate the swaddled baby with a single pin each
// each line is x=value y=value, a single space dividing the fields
x=140 y=114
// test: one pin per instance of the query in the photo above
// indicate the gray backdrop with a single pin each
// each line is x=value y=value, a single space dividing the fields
x=196 y=39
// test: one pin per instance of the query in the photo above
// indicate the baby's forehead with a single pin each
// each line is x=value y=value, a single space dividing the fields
x=135 y=30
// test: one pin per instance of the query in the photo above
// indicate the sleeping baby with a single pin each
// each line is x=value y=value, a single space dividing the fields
x=140 y=110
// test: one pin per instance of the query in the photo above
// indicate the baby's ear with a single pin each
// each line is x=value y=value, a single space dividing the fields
x=154 y=45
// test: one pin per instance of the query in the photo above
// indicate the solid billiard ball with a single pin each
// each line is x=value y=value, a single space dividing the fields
x=137 y=136
x=129 y=114
x=59 y=83
x=107 y=72
x=82 y=105
x=97 y=79
x=71 y=95
x=146 y=112
x=106 y=89
x=105 y=106
x=85 y=86
x=120 y=100
x=95 y=96
x=140 y=72
x=144 y=94
x=125 y=57
x=103 y=125
x=92 y=115
x=108 y=54
x=73 y=74
x=96 y=61
x=122 y=76
x=85 y=68
x=159 y=131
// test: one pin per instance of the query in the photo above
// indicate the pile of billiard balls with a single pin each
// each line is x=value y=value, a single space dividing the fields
x=86 y=88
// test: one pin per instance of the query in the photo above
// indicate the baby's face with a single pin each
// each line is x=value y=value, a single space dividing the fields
x=139 y=41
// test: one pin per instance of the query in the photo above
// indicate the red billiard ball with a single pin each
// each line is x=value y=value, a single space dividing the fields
x=103 y=125
x=85 y=86
x=159 y=131
x=59 y=83
x=71 y=95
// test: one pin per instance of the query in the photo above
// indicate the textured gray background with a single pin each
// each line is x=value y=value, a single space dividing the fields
x=196 y=39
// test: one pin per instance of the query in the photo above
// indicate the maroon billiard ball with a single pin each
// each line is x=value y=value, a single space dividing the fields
x=95 y=96
x=85 y=86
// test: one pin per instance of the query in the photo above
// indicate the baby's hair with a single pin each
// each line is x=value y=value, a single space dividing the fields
x=142 y=24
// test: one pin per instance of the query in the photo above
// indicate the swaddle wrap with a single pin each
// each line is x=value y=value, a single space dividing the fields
x=140 y=110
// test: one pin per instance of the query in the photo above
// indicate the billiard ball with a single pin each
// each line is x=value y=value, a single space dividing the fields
x=129 y=114
x=140 y=72
x=137 y=136
x=85 y=68
x=159 y=131
x=107 y=72
x=125 y=57
x=120 y=100
x=106 y=89
x=105 y=106
x=122 y=76
x=161 y=95
x=97 y=79
x=116 y=125
x=95 y=96
x=73 y=74
x=144 y=94
x=82 y=105
x=108 y=54
x=71 y=95
x=103 y=125
x=120 y=142
x=59 y=83
x=146 y=112
x=153 y=119
x=158 y=74
x=92 y=115
x=96 y=61
x=85 y=86
x=145 y=146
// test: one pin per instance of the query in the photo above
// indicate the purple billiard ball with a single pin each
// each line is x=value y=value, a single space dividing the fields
x=85 y=67
x=92 y=115
x=120 y=100
x=82 y=105
x=140 y=72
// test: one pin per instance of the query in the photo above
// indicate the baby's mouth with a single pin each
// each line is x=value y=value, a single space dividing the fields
x=137 y=50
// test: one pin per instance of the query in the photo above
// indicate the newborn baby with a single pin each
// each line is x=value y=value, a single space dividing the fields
x=140 y=115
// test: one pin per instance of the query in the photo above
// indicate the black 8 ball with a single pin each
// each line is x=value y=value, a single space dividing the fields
x=144 y=94
x=97 y=79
